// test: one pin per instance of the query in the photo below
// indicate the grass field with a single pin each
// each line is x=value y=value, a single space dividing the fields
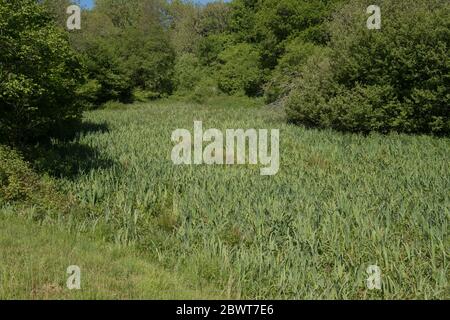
x=35 y=259
x=339 y=203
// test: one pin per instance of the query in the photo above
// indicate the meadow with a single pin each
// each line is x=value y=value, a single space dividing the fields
x=339 y=203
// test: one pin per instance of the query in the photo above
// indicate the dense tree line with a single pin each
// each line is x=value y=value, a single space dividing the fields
x=393 y=79
x=315 y=58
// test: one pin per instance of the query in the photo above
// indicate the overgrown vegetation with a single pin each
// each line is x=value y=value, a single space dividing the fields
x=393 y=79
x=341 y=201
x=39 y=74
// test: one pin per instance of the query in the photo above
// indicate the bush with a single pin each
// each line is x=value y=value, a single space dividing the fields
x=105 y=66
x=188 y=73
x=149 y=59
x=17 y=180
x=289 y=67
x=89 y=93
x=39 y=73
x=23 y=187
x=205 y=89
x=240 y=71
x=307 y=102
x=210 y=47
x=393 y=79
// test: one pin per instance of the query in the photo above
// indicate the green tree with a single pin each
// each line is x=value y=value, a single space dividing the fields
x=39 y=73
x=183 y=26
x=289 y=68
x=126 y=47
x=393 y=79
x=271 y=24
x=240 y=70
x=57 y=10
x=214 y=18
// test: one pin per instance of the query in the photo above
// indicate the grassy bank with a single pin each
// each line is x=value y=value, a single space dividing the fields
x=34 y=261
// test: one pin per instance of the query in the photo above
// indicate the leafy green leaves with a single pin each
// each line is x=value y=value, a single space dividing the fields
x=39 y=73
x=393 y=79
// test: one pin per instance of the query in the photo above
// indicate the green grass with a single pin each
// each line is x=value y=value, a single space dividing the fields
x=34 y=260
x=339 y=203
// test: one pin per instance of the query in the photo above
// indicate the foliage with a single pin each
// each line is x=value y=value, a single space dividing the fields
x=183 y=20
x=270 y=24
x=393 y=79
x=142 y=95
x=187 y=73
x=17 y=180
x=204 y=90
x=289 y=68
x=57 y=10
x=192 y=80
x=214 y=32
x=151 y=60
x=340 y=202
x=104 y=63
x=277 y=21
x=39 y=73
x=214 y=18
x=240 y=70
x=89 y=93
x=114 y=105
x=126 y=49
x=209 y=47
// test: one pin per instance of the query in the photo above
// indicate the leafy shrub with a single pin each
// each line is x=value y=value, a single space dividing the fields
x=89 y=93
x=278 y=20
x=270 y=24
x=367 y=108
x=289 y=67
x=17 y=180
x=105 y=66
x=214 y=18
x=205 y=89
x=393 y=79
x=240 y=71
x=307 y=102
x=188 y=73
x=39 y=73
x=149 y=59
x=211 y=46
x=29 y=192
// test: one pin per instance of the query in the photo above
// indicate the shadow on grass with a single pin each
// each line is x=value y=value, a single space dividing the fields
x=65 y=157
x=93 y=127
x=71 y=130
